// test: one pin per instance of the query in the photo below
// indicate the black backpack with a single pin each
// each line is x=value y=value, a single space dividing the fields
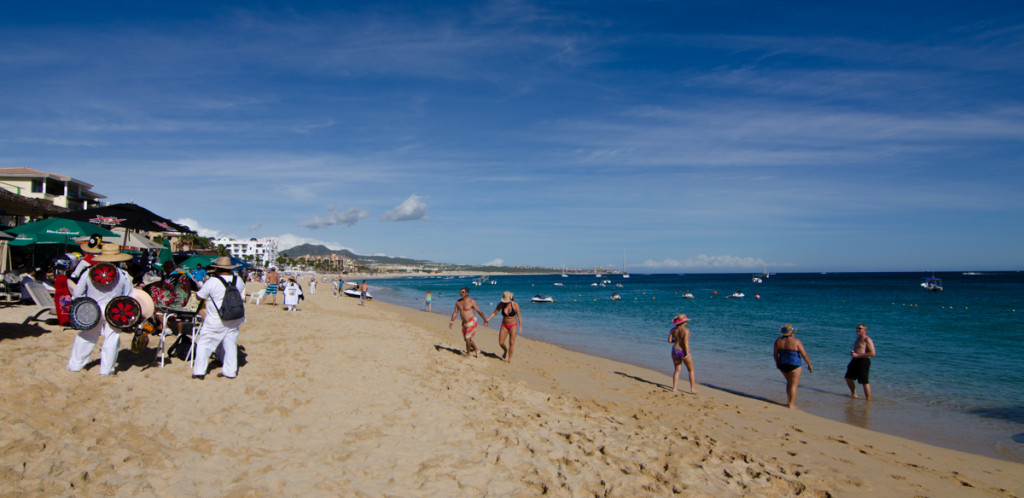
x=232 y=307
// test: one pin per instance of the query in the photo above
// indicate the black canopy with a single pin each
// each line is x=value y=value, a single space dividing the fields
x=127 y=215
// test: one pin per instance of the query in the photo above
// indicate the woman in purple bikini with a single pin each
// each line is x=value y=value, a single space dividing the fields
x=679 y=336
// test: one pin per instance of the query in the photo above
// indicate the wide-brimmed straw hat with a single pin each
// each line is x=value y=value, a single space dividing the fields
x=506 y=297
x=91 y=245
x=110 y=253
x=223 y=263
x=788 y=329
x=680 y=318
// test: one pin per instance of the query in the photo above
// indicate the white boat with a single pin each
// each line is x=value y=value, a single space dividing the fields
x=616 y=296
x=736 y=295
x=559 y=284
x=354 y=292
x=542 y=299
x=932 y=284
x=756 y=279
x=625 y=274
x=688 y=295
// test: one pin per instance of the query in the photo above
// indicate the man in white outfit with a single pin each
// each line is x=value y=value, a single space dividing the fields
x=216 y=335
x=102 y=292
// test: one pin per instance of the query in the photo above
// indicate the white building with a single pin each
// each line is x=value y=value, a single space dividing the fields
x=263 y=252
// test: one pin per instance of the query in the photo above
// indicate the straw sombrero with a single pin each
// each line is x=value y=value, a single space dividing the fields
x=110 y=253
x=223 y=263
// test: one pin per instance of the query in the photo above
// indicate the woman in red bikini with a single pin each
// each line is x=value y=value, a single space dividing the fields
x=511 y=324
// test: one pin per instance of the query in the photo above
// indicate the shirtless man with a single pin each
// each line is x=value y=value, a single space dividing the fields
x=272 y=280
x=465 y=307
x=860 y=364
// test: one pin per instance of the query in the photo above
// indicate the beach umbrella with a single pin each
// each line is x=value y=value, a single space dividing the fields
x=55 y=231
x=129 y=216
x=134 y=240
x=205 y=260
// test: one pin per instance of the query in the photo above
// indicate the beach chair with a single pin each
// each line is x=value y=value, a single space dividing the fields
x=256 y=296
x=43 y=300
x=10 y=288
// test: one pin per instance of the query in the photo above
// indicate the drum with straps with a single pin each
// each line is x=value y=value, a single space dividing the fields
x=83 y=313
x=123 y=312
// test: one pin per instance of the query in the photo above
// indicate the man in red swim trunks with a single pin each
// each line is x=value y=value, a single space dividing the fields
x=465 y=307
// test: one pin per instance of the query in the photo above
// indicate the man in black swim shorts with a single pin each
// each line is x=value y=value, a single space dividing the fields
x=860 y=364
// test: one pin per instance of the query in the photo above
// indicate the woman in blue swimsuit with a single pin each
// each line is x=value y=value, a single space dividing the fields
x=788 y=353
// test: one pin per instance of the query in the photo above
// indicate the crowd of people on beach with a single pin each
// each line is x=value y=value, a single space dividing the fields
x=788 y=352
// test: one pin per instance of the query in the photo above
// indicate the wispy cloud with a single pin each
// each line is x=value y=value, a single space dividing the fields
x=411 y=209
x=495 y=262
x=335 y=216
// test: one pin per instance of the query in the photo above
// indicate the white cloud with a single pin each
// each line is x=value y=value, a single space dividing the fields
x=410 y=209
x=495 y=262
x=704 y=261
x=202 y=232
x=288 y=241
x=335 y=216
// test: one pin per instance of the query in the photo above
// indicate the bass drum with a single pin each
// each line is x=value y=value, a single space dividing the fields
x=83 y=313
x=123 y=312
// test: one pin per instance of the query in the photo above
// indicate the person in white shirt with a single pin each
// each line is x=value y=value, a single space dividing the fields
x=217 y=335
x=119 y=284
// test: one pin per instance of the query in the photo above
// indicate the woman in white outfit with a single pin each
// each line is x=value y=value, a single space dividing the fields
x=216 y=335
x=85 y=341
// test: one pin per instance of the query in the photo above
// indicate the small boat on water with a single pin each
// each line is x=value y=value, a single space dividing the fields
x=559 y=284
x=688 y=295
x=616 y=296
x=932 y=284
x=736 y=295
x=542 y=299
x=354 y=292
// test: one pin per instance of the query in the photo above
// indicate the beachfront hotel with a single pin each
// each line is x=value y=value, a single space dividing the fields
x=28 y=194
x=261 y=251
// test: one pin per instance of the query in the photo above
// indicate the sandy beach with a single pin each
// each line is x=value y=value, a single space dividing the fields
x=342 y=399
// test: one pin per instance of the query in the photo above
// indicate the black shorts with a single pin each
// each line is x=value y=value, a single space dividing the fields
x=858 y=369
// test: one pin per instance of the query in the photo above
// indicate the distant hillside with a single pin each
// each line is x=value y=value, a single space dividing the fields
x=320 y=250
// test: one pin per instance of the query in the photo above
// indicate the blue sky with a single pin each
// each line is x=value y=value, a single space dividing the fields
x=691 y=136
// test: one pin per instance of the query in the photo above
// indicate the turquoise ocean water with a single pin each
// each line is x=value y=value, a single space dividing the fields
x=949 y=370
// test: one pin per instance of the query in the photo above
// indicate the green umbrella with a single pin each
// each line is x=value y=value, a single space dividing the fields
x=55 y=231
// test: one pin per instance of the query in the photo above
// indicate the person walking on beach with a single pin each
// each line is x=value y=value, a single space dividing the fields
x=312 y=285
x=679 y=336
x=216 y=334
x=272 y=280
x=511 y=324
x=363 y=289
x=788 y=353
x=464 y=308
x=427 y=300
x=860 y=362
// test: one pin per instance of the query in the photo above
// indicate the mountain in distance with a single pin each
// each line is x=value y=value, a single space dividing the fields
x=320 y=250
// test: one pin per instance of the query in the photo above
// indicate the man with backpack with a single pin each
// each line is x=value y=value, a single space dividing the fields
x=224 y=314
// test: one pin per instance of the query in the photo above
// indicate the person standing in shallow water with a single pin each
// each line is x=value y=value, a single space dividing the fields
x=789 y=351
x=427 y=300
x=679 y=336
x=860 y=362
